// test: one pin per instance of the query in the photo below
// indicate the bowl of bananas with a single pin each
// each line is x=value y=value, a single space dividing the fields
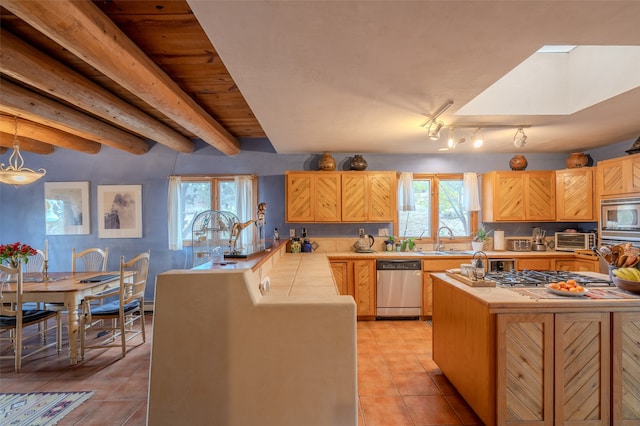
x=627 y=279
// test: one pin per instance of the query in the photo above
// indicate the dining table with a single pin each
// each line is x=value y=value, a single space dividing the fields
x=67 y=288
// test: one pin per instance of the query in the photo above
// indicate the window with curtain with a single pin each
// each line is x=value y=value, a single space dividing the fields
x=197 y=194
x=439 y=201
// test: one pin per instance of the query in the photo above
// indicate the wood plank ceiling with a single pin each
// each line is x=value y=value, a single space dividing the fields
x=172 y=88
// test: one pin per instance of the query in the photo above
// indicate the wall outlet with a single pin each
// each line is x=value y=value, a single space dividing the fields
x=292 y=232
x=383 y=232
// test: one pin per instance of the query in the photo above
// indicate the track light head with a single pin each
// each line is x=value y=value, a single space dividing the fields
x=519 y=139
x=477 y=139
x=451 y=143
x=434 y=130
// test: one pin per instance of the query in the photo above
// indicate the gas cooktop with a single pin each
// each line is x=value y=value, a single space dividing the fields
x=526 y=278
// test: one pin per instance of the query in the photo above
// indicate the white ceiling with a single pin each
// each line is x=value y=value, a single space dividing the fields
x=361 y=76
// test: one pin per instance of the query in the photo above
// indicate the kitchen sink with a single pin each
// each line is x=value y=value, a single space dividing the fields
x=445 y=253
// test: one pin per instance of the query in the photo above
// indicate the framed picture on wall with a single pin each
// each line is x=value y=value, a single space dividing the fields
x=119 y=211
x=66 y=208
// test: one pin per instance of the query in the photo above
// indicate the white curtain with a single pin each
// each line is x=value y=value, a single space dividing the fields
x=470 y=192
x=175 y=213
x=244 y=207
x=405 y=192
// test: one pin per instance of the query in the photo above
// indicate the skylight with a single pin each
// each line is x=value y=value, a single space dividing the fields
x=550 y=84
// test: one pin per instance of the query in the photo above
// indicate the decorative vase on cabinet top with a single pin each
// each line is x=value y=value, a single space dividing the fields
x=358 y=163
x=327 y=163
x=518 y=162
x=576 y=160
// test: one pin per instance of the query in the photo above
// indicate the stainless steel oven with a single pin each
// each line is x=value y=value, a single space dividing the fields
x=620 y=219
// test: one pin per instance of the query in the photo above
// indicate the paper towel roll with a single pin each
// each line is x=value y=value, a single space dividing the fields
x=498 y=240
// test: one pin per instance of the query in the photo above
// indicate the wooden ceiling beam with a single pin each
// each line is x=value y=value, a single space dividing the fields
x=26 y=144
x=20 y=102
x=28 y=65
x=47 y=135
x=83 y=29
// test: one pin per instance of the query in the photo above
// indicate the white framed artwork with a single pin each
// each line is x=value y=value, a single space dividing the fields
x=66 y=208
x=119 y=211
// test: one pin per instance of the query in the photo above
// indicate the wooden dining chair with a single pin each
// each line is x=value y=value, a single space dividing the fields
x=93 y=259
x=126 y=309
x=16 y=333
x=36 y=263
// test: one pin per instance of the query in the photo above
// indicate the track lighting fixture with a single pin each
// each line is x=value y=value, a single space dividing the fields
x=477 y=138
x=519 y=139
x=432 y=124
x=434 y=130
x=451 y=143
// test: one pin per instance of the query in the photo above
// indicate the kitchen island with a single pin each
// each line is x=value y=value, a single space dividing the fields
x=529 y=356
x=264 y=341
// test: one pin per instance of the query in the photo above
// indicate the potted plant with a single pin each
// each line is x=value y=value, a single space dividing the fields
x=478 y=239
x=408 y=244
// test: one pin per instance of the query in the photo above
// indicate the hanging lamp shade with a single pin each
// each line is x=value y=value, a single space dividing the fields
x=14 y=173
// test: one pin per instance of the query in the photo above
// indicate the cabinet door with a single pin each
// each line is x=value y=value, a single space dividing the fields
x=564 y=265
x=540 y=196
x=633 y=177
x=626 y=368
x=354 y=199
x=340 y=271
x=299 y=195
x=509 y=197
x=582 y=368
x=534 y=263
x=427 y=295
x=364 y=279
x=327 y=198
x=382 y=197
x=574 y=194
x=524 y=382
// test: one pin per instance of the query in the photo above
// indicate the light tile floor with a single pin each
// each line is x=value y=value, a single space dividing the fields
x=398 y=382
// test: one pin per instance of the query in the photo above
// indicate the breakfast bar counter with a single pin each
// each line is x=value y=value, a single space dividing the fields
x=273 y=343
x=518 y=355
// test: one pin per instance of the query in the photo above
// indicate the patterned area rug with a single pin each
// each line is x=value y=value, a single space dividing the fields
x=37 y=409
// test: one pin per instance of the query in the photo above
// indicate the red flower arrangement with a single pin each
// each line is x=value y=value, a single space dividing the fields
x=15 y=252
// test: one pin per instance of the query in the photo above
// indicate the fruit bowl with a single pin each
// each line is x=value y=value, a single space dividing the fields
x=631 y=286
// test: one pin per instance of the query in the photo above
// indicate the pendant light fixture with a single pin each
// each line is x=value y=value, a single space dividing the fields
x=14 y=173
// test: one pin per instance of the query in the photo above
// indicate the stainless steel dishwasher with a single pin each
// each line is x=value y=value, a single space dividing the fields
x=399 y=288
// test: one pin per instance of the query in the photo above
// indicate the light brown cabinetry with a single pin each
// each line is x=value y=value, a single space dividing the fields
x=537 y=347
x=535 y=263
x=369 y=196
x=575 y=195
x=538 y=366
x=358 y=279
x=619 y=176
x=518 y=196
x=313 y=197
x=429 y=266
x=626 y=368
x=341 y=196
x=577 y=265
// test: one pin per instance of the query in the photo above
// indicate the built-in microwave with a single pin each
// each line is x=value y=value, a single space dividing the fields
x=620 y=219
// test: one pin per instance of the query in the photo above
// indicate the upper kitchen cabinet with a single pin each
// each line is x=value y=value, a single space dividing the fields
x=341 y=196
x=574 y=195
x=619 y=176
x=369 y=196
x=313 y=196
x=518 y=196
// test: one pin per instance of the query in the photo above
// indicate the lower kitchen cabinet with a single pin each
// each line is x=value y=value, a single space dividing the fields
x=626 y=368
x=429 y=266
x=358 y=279
x=539 y=367
x=577 y=265
x=577 y=345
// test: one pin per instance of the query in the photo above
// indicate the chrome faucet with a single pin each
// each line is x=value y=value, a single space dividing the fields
x=440 y=247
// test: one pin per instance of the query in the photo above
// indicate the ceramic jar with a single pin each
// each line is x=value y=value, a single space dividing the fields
x=518 y=162
x=358 y=163
x=327 y=163
x=577 y=160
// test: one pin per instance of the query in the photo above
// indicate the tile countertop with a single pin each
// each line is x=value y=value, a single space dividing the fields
x=512 y=300
x=466 y=254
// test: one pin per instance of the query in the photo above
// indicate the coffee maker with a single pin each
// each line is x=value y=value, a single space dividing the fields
x=538 y=240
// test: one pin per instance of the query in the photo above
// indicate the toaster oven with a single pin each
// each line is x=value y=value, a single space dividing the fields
x=572 y=241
